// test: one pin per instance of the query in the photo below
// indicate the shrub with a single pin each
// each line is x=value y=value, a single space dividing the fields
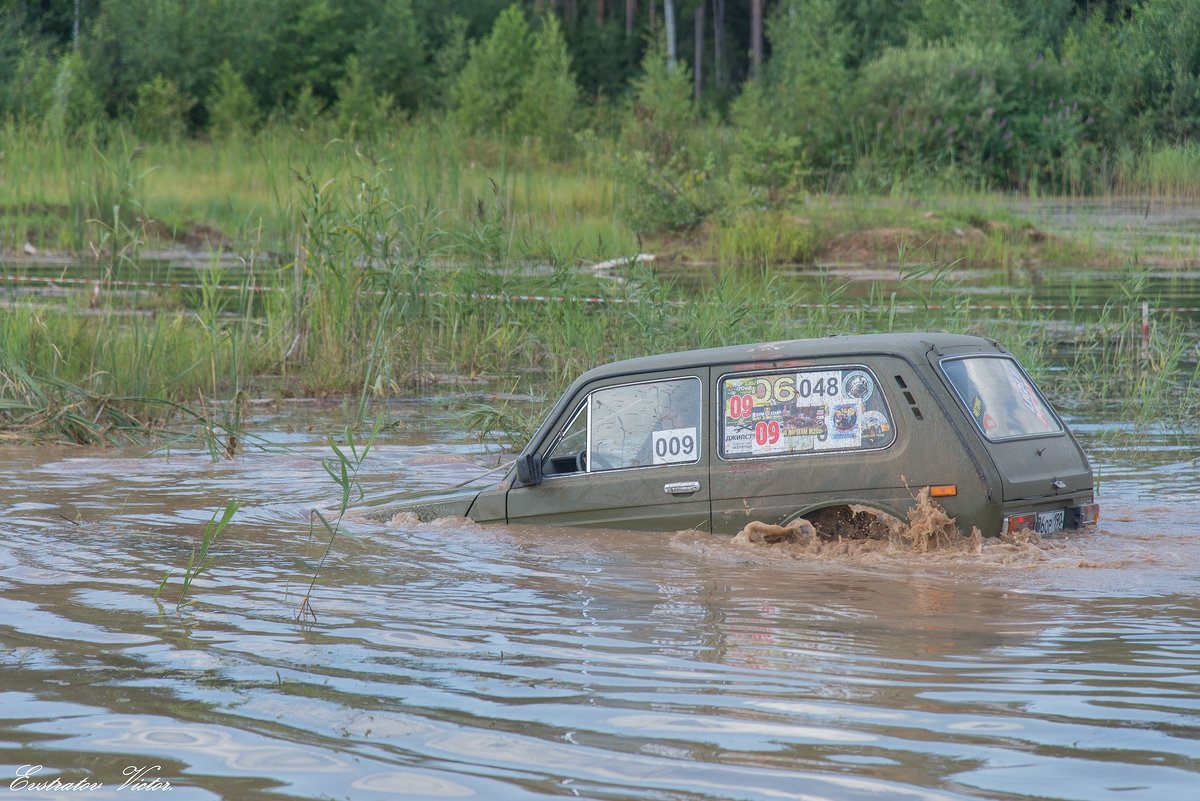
x=549 y=98
x=361 y=113
x=231 y=107
x=73 y=102
x=807 y=81
x=663 y=174
x=160 y=113
x=979 y=109
x=768 y=164
x=489 y=86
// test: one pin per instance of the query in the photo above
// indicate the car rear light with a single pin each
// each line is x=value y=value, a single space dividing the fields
x=1014 y=523
x=1087 y=514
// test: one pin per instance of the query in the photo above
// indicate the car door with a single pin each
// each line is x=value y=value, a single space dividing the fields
x=627 y=454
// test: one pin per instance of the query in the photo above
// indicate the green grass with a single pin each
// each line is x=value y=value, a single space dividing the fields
x=384 y=266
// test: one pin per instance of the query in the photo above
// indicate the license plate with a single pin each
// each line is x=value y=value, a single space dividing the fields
x=1049 y=522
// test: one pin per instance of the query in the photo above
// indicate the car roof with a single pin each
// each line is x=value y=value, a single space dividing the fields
x=912 y=345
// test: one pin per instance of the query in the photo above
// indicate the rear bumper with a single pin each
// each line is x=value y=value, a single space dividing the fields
x=1047 y=517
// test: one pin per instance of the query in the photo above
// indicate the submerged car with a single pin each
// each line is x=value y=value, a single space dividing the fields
x=819 y=429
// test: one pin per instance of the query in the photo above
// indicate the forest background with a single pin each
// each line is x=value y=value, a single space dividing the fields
x=1065 y=95
x=354 y=146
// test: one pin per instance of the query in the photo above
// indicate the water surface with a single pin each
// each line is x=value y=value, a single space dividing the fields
x=449 y=660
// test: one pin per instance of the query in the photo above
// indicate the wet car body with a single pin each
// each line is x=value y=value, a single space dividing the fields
x=820 y=429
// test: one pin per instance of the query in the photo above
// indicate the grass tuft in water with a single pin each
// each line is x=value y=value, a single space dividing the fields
x=201 y=559
x=343 y=469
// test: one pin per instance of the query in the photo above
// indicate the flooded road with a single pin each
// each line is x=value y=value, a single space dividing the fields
x=448 y=660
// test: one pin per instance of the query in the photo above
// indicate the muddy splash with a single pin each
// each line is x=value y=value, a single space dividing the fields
x=929 y=534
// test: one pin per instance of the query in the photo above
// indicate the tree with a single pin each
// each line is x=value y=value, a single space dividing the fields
x=491 y=82
x=756 y=37
x=231 y=107
x=361 y=112
x=549 y=97
x=394 y=55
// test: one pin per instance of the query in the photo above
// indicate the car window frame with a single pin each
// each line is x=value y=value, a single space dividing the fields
x=720 y=415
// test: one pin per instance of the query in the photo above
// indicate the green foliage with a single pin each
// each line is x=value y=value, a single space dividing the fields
x=664 y=175
x=807 y=81
x=768 y=165
x=306 y=109
x=490 y=84
x=160 y=111
x=393 y=54
x=547 y=105
x=133 y=43
x=303 y=43
x=73 y=101
x=663 y=115
x=958 y=22
x=971 y=108
x=1139 y=80
x=231 y=108
x=361 y=113
x=27 y=70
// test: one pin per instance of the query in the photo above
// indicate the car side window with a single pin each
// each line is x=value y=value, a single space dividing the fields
x=633 y=425
x=803 y=411
x=566 y=456
x=644 y=425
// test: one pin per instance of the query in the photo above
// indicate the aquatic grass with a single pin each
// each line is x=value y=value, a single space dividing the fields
x=1170 y=170
x=343 y=469
x=762 y=240
x=201 y=559
x=383 y=271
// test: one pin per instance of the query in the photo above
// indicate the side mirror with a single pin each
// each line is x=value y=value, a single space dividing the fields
x=529 y=470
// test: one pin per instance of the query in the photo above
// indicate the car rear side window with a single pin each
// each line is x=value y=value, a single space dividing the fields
x=803 y=411
x=1000 y=398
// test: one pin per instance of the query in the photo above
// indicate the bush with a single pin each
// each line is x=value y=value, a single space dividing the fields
x=160 y=113
x=981 y=110
x=231 y=107
x=807 y=81
x=549 y=98
x=768 y=164
x=73 y=102
x=361 y=113
x=27 y=73
x=490 y=83
x=663 y=173
x=393 y=54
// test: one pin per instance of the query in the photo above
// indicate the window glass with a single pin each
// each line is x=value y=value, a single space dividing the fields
x=1000 y=397
x=642 y=425
x=564 y=456
x=804 y=411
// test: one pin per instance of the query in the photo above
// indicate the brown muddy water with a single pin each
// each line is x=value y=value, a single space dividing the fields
x=449 y=660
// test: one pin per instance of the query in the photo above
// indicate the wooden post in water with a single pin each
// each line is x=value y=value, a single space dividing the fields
x=1145 y=332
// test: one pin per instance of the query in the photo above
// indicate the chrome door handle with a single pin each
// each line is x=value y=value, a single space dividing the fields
x=681 y=487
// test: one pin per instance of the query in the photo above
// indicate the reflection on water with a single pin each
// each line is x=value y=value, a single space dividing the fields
x=451 y=660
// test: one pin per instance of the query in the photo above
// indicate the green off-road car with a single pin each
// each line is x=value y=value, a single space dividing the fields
x=821 y=429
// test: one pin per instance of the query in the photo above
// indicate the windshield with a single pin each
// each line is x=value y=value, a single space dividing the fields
x=1000 y=398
